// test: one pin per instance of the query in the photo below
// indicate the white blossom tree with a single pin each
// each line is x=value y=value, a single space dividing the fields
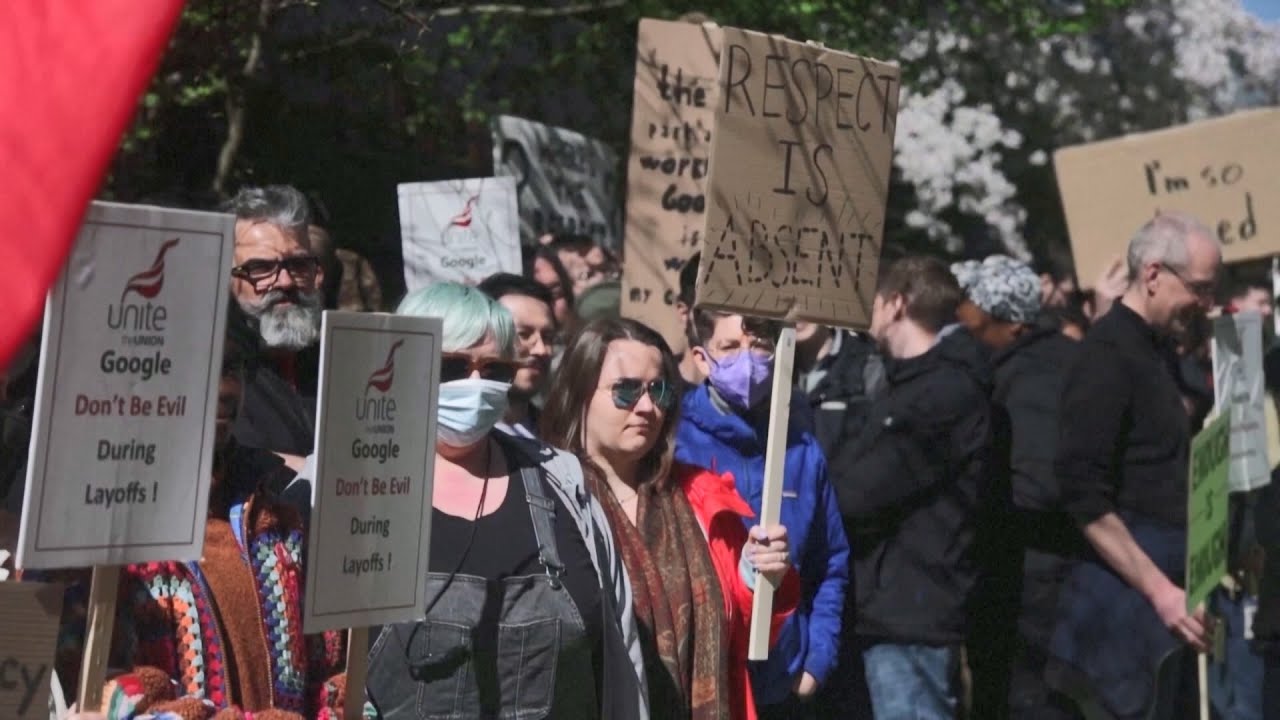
x=977 y=126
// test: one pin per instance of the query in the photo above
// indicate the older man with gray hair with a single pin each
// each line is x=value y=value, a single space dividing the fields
x=277 y=280
x=1122 y=461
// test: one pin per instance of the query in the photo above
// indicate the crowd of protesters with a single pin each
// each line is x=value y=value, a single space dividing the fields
x=983 y=503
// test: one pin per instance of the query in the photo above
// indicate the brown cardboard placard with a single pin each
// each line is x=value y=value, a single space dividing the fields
x=671 y=128
x=29 y=615
x=1225 y=172
x=799 y=179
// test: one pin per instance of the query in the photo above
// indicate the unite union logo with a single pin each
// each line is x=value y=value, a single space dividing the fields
x=148 y=283
x=463 y=219
x=382 y=378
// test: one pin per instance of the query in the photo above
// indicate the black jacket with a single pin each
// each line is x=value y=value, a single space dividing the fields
x=910 y=489
x=275 y=415
x=840 y=400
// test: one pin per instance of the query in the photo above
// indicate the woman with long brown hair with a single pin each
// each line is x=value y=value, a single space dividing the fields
x=614 y=403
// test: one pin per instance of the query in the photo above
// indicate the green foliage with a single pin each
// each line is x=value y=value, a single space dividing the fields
x=345 y=98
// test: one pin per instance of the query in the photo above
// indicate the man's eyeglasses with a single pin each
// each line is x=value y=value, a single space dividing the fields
x=1199 y=288
x=302 y=268
x=458 y=366
x=628 y=391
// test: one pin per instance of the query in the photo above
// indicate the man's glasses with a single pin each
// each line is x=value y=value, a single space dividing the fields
x=1200 y=288
x=628 y=391
x=457 y=366
x=302 y=268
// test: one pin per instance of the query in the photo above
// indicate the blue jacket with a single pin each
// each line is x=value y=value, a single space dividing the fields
x=728 y=442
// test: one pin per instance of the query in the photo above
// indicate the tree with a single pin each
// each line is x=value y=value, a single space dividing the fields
x=345 y=98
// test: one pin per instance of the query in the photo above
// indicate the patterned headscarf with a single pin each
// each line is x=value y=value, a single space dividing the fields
x=1004 y=288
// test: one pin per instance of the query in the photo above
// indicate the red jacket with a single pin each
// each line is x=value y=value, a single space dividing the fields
x=720 y=510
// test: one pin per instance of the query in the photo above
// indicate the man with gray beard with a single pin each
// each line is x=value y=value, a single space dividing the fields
x=277 y=280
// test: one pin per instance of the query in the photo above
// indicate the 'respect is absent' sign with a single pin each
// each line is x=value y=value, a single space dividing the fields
x=122 y=440
x=799 y=180
x=1207 y=510
x=458 y=230
x=671 y=127
x=1221 y=171
x=375 y=456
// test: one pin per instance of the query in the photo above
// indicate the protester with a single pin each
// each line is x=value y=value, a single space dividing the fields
x=1122 y=461
x=1266 y=517
x=195 y=639
x=725 y=427
x=536 y=334
x=350 y=282
x=689 y=370
x=529 y=611
x=543 y=266
x=840 y=372
x=1057 y=279
x=1029 y=542
x=587 y=262
x=1071 y=319
x=277 y=280
x=614 y=403
x=1236 y=677
x=909 y=488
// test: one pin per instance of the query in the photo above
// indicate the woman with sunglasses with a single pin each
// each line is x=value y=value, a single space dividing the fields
x=690 y=558
x=528 y=613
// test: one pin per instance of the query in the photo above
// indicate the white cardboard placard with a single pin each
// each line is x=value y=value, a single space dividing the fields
x=122 y=440
x=375 y=456
x=458 y=230
x=1238 y=385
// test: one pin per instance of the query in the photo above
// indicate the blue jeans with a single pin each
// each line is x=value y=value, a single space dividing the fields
x=1235 y=682
x=912 y=682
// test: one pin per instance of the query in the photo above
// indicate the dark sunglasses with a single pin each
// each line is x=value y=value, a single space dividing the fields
x=457 y=366
x=627 y=392
x=302 y=268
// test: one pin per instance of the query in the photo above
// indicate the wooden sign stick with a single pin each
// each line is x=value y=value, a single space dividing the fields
x=771 y=497
x=357 y=670
x=97 y=647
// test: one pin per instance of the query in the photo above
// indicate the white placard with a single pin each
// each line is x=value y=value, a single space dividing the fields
x=458 y=230
x=566 y=182
x=1238 y=384
x=122 y=439
x=375 y=455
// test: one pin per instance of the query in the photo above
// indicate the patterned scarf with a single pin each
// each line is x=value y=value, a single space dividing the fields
x=679 y=608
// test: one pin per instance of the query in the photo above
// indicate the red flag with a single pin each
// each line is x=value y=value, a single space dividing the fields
x=71 y=73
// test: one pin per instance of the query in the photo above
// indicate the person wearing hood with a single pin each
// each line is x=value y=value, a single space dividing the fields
x=724 y=427
x=1030 y=543
x=910 y=488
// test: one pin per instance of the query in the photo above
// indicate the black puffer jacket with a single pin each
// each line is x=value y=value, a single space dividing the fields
x=910 y=489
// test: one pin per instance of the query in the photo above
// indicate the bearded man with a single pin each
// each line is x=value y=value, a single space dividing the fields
x=277 y=280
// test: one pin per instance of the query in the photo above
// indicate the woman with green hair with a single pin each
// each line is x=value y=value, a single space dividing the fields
x=528 y=611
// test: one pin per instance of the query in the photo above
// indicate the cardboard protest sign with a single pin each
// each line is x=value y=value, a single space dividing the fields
x=29 y=616
x=375 y=457
x=1238 y=387
x=1221 y=171
x=122 y=440
x=671 y=126
x=1207 y=510
x=458 y=230
x=800 y=165
x=565 y=182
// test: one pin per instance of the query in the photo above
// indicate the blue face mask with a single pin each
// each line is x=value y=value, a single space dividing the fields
x=468 y=410
x=743 y=379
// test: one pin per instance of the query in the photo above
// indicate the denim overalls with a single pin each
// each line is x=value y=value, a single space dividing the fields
x=542 y=666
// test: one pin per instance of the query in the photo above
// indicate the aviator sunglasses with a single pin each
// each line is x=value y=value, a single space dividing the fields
x=456 y=366
x=627 y=392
